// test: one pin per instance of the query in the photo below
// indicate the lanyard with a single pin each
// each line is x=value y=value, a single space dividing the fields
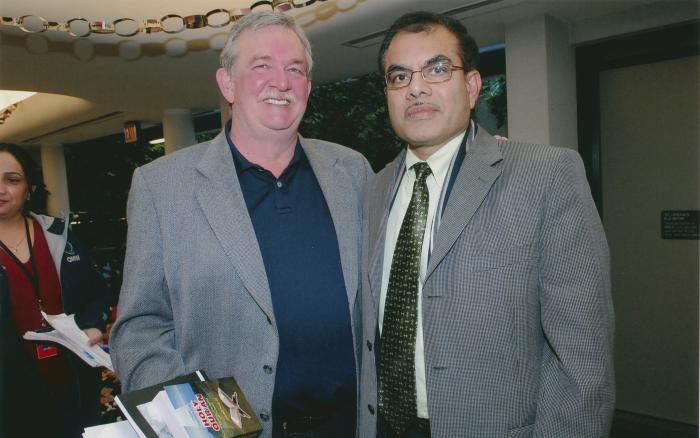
x=33 y=276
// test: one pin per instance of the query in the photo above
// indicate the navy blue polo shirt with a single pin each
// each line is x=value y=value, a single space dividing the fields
x=299 y=246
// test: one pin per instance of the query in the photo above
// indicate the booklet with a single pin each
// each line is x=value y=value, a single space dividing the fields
x=67 y=333
x=213 y=408
x=190 y=406
x=138 y=407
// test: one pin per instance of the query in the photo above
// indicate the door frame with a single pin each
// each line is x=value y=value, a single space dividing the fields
x=677 y=41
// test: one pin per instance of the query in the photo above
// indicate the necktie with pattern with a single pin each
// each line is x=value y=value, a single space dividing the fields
x=397 y=374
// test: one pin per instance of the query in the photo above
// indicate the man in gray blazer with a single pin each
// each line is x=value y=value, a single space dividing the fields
x=243 y=252
x=485 y=287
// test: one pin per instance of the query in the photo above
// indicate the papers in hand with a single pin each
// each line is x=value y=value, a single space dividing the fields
x=140 y=409
x=67 y=333
x=120 y=429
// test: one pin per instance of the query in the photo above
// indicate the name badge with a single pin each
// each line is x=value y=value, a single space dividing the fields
x=44 y=351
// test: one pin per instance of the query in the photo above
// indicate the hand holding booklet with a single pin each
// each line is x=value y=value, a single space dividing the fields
x=190 y=406
x=67 y=333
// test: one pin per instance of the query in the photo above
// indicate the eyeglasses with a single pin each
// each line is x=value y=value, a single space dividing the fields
x=432 y=73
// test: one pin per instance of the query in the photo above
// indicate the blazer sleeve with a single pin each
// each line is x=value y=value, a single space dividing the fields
x=142 y=339
x=577 y=393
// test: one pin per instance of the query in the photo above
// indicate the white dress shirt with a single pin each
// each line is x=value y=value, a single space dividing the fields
x=440 y=163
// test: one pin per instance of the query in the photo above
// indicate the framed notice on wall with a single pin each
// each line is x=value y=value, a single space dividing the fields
x=680 y=224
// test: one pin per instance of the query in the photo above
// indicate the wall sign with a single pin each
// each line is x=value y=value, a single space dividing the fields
x=680 y=224
x=131 y=132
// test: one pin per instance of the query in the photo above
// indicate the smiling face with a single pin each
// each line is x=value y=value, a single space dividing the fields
x=268 y=85
x=427 y=115
x=14 y=189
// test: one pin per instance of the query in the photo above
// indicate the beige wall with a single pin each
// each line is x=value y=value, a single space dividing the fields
x=649 y=146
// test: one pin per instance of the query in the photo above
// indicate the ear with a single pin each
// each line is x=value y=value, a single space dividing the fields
x=225 y=82
x=473 y=79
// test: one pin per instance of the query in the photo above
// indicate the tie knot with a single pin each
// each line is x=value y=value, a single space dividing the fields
x=422 y=170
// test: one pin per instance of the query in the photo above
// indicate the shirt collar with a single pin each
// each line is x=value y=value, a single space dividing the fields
x=242 y=164
x=440 y=160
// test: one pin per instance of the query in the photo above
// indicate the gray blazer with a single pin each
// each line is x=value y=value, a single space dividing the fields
x=195 y=294
x=517 y=311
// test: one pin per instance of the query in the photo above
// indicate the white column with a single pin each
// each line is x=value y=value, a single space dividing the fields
x=541 y=82
x=178 y=129
x=53 y=166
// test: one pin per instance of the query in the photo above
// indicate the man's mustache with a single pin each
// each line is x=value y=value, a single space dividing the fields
x=278 y=95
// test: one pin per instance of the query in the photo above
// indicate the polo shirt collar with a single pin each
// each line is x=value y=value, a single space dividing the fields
x=243 y=164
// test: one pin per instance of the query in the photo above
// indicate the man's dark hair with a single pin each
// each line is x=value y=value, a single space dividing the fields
x=416 y=22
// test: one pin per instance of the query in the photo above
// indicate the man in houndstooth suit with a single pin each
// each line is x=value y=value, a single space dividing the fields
x=514 y=322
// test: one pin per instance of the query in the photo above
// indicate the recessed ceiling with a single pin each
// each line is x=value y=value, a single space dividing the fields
x=138 y=77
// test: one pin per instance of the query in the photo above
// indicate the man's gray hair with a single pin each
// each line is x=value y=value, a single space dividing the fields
x=259 y=20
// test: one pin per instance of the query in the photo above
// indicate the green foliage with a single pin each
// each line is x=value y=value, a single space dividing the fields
x=353 y=112
x=206 y=135
x=493 y=93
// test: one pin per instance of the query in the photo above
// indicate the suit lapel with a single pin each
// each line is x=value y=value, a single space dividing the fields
x=474 y=180
x=382 y=192
x=335 y=184
x=221 y=200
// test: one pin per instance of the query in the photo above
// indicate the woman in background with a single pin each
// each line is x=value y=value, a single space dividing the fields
x=46 y=270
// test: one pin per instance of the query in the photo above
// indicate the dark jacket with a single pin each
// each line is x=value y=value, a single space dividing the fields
x=82 y=289
x=83 y=294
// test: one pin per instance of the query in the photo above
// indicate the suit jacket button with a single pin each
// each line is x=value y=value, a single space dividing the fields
x=267 y=369
x=264 y=416
x=371 y=409
x=369 y=345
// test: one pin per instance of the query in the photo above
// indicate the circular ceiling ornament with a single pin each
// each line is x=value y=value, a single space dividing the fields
x=126 y=27
x=218 y=18
x=169 y=23
x=172 y=23
x=32 y=23
x=78 y=27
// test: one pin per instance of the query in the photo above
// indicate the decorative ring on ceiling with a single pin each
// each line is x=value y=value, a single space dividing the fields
x=127 y=27
x=166 y=21
x=121 y=27
x=215 y=13
x=73 y=27
x=21 y=23
x=261 y=3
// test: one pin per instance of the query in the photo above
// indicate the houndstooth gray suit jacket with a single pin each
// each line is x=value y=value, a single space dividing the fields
x=195 y=294
x=517 y=312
